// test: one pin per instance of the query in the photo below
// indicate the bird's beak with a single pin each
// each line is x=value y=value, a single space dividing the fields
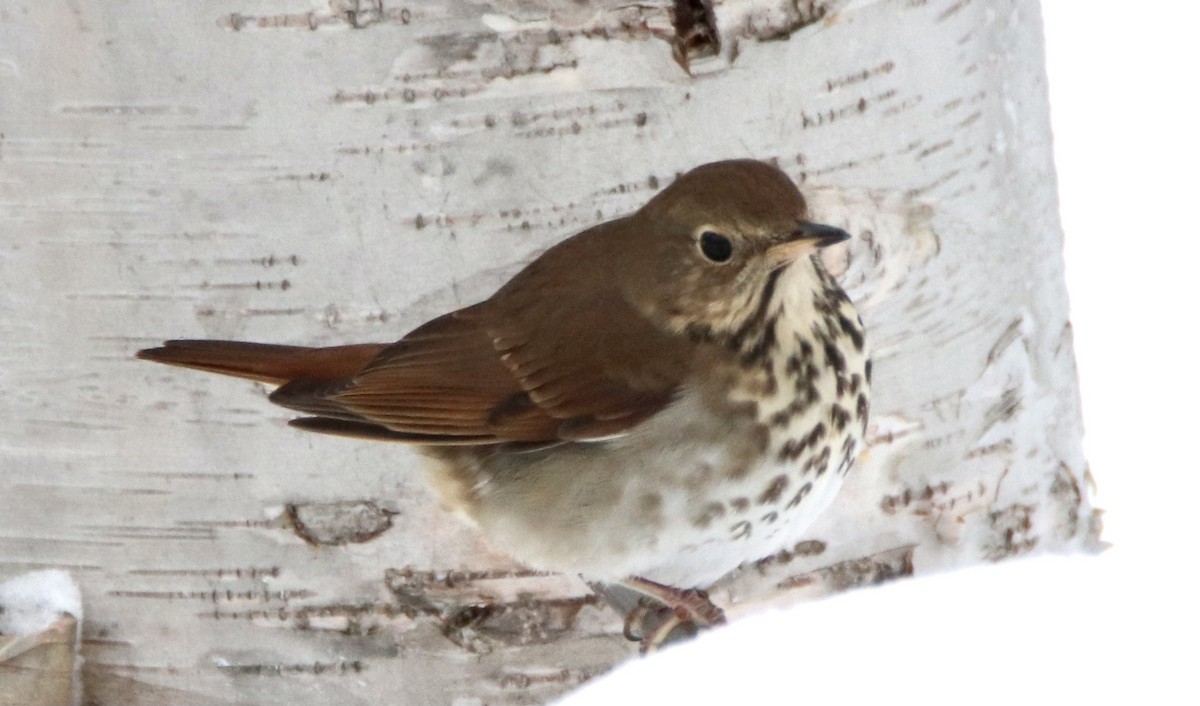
x=805 y=240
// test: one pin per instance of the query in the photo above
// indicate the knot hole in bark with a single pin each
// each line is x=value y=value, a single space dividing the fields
x=695 y=32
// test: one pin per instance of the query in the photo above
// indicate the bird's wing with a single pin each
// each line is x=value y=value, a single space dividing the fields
x=604 y=369
x=507 y=372
x=547 y=359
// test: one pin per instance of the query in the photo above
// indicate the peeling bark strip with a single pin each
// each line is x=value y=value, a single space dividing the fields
x=337 y=523
x=852 y=573
x=408 y=168
x=696 y=34
x=479 y=629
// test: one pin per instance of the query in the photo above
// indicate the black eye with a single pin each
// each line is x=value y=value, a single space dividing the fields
x=715 y=246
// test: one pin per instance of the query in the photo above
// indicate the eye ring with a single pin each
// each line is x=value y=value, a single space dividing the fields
x=715 y=247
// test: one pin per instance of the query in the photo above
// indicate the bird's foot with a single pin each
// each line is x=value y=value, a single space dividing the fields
x=668 y=614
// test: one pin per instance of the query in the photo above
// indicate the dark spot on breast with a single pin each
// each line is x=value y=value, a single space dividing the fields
x=862 y=409
x=774 y=491
x=850 y=330
x=757 y=354
x=650 y=504
x=799 y=496
x=768 y=292
x=759 y=440
x=802 y=402
x=855 y=383
x=811 y=373
x=847 y=455
x=757 y=320
x=834 y=357
x=755 y=338
x=822 y=461
x=793 y=448
x=824 y=303
x=840 y=417
x=740 y=504
x=737 y=471
x=820 y=334
x=869 y=366
x=769 y=518
x=770 y=385
x=741 y=530
x=793 y=365
x=711 y=511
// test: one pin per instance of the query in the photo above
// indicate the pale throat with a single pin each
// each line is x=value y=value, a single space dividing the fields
x=810 y=347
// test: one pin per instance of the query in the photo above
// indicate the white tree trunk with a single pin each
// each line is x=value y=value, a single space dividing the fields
x=312 y=173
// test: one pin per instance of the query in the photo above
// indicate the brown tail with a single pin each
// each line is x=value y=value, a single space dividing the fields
x=265 y=362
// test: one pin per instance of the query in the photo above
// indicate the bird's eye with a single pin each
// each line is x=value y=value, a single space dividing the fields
x=715 y=246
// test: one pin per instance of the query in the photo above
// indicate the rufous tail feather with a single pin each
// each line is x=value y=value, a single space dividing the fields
x=265 y=362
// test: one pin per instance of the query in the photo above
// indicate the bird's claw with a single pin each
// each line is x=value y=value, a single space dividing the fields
x=665 y=611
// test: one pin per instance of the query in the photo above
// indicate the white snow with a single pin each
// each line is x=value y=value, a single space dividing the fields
x=1044 y=630
x=31 y=602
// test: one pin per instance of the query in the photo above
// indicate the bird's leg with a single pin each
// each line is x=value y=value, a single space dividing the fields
x=687 y=610
x=692 y=604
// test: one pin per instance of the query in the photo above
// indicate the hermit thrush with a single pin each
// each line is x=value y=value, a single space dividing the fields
x=655 y=400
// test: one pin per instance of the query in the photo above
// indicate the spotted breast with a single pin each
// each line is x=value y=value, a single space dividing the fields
x=734 y=470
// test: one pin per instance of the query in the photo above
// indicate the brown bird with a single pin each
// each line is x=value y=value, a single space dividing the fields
x=653 y=401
